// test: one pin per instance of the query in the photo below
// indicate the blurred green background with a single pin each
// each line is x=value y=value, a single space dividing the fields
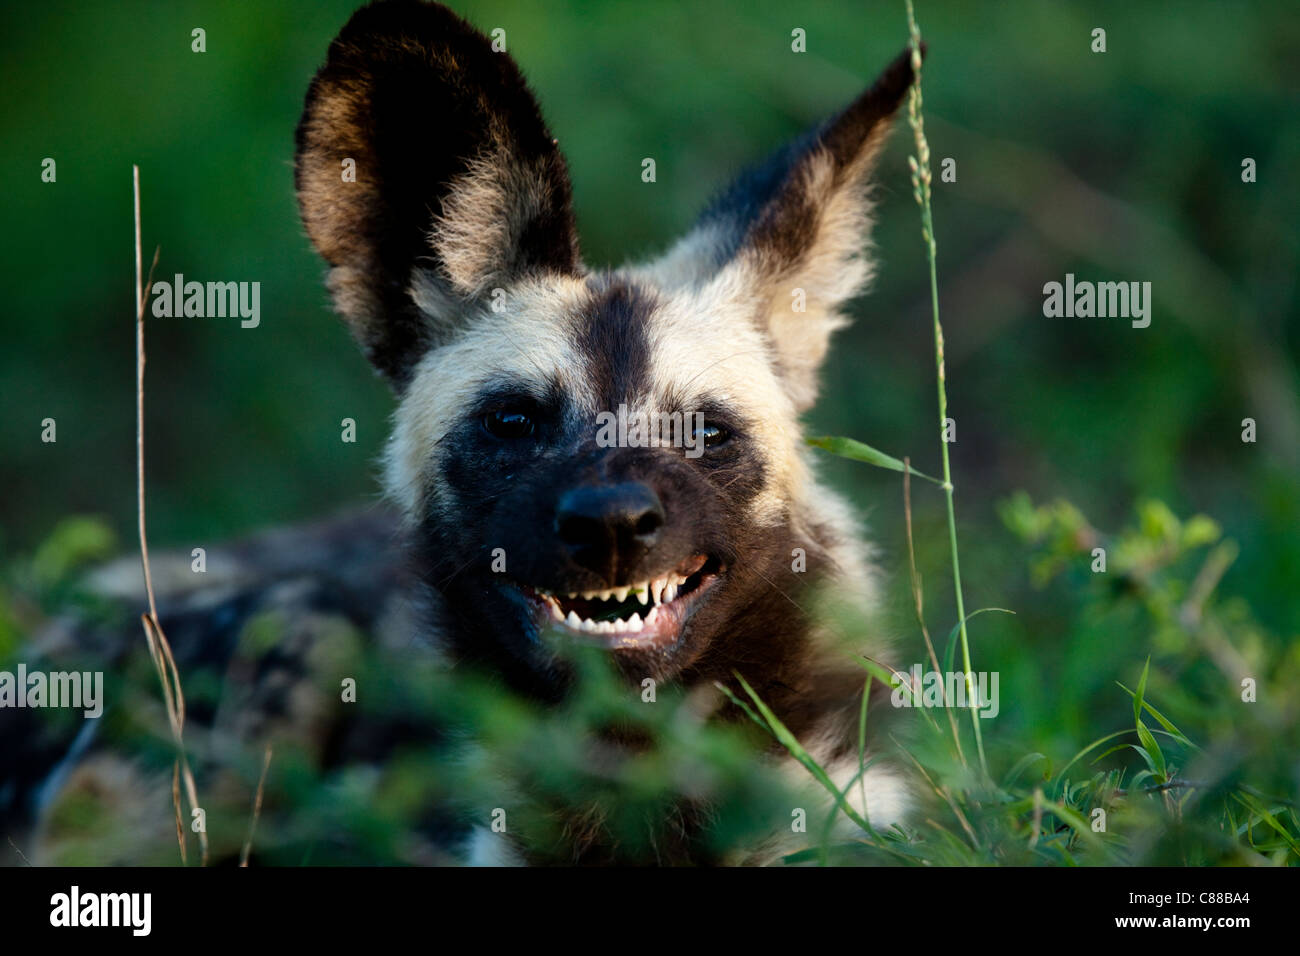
x=1117 y=166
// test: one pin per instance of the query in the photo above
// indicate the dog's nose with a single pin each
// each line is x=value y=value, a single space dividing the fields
x=607 y=528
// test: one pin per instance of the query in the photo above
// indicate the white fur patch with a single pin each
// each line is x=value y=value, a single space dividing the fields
x=483 y=219
x=529 y=341
x=704 y=346
x=490 y=849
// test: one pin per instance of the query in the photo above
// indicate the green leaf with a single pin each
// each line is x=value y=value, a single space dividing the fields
x=858 y=451
x=1200 y=530
x=862 y=740
x=1092 y=746
x=1255 y=806
x=74 y=542
x=886 y=677
x=1076 y=823
x=1158 y=523
x=1151 y=765
x=1023 y=764
x=1141 y=691
x=1106 y=753
x=790 y=742
x=1153 y=749
x=1162 y=720
x=950 y=650
x=880 y=672
x=1135 y=783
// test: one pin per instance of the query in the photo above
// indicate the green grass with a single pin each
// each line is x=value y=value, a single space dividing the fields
x=1185 y=770
x=1121 y=690
x=1063 y=819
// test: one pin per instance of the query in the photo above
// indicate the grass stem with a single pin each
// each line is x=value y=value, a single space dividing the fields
x=921 y=178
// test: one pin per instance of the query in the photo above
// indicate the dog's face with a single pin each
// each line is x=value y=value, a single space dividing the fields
x=613 y=457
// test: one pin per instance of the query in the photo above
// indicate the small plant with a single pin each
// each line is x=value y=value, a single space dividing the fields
x=1059 y=818
x=858 y=451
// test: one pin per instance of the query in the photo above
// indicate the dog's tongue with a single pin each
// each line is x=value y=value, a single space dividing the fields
x=691 y=565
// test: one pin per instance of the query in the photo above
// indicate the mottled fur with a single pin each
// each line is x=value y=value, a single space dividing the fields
x=454 y=259
x=710 y=325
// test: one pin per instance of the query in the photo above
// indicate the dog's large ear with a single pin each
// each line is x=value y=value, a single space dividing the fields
x=789 y=237
x=425 y=173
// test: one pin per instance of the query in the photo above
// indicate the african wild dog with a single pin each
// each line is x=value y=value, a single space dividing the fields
x=455 y=261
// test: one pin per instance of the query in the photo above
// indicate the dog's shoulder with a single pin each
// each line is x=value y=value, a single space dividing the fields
x=265 y=633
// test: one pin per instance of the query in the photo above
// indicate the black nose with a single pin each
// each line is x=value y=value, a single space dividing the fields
x=607 y=528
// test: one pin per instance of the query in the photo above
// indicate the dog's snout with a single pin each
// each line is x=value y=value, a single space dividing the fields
x=607 y=528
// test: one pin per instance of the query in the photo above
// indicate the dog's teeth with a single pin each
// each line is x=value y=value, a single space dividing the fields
x=620 y=626
x=604 y=627
x=572 y=620
x=620 y=594
x=670 y=592
x=634 y=622
x=555 y=610
x=657 y=589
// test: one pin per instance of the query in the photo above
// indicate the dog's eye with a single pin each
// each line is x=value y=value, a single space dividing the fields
x=712 y=435
x=506 y=423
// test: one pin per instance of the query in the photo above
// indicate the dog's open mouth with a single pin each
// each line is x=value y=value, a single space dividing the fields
x=648 y=614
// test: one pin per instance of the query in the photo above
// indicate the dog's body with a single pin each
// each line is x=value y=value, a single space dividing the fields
x=454 y=258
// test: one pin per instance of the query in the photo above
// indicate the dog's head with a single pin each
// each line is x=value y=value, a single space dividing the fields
x=613 y=456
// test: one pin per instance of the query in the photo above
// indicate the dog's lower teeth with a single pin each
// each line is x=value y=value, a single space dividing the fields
x=651 y=595
x=617 y=626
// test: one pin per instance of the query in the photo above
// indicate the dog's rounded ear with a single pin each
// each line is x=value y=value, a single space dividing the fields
x=424 y=166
